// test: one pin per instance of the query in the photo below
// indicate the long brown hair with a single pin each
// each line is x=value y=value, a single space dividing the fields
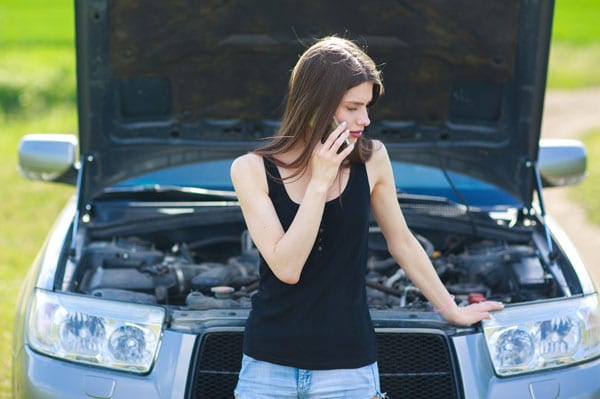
x=319 y=81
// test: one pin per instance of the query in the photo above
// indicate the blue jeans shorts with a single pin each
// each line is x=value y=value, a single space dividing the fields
x=264 y=380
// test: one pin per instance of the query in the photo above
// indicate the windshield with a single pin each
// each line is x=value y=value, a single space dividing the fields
x=410 y=179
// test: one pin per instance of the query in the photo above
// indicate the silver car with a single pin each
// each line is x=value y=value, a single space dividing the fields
x=143 y=286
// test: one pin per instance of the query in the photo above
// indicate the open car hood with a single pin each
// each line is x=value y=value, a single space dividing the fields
x=162 y=83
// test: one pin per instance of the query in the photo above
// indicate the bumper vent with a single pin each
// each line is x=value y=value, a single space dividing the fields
x=411 y=365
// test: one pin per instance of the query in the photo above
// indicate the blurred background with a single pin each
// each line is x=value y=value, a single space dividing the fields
x=38 y=94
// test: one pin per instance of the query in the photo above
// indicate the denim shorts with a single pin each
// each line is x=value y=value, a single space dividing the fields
x=262 y=380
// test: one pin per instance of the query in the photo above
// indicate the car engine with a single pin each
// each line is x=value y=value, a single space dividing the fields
x=222 y=272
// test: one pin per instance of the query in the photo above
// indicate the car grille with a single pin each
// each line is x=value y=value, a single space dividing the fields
x=416 y=365
x=411 y=365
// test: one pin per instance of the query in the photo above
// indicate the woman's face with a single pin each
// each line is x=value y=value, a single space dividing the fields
x=353 y=109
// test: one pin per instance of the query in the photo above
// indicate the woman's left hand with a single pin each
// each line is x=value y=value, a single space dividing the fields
x=474 y=313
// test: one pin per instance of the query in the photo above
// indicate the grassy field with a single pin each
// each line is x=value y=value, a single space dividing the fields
x=575 y=51
x=588 y=192
x=37 y=94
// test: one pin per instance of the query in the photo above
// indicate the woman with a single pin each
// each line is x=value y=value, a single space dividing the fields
x=306 y=198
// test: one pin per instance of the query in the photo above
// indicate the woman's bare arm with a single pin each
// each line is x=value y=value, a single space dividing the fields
x=286 y=252
x=407 y=251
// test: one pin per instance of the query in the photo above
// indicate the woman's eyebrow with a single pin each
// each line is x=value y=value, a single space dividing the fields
x=356 y=102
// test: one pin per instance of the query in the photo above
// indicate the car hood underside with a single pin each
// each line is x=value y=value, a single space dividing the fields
x=164 y=83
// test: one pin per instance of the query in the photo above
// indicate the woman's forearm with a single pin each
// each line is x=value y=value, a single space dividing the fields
x=290 y=253
x=421 y=272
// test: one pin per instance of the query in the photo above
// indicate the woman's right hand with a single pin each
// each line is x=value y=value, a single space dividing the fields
x=327 y=157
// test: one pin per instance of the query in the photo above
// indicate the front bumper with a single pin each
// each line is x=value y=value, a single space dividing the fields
x=38 y=376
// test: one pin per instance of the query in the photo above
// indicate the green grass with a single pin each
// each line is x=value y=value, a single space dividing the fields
x=576 y=21
x=35 y=80
x=37 y=94
x=574 y=60
x=588 y=192
x=573 y=66
x=575 y=49
x=36 y=23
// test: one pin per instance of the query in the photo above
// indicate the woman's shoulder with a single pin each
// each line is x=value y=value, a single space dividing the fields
x=248 y=165
x=248 y=160
x=378 y=166
x=378 y=153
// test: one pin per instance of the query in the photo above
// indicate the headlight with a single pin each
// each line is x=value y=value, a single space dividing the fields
x=534 y=337
x=95 y=331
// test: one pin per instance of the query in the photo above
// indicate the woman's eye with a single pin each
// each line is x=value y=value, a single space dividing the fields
x=352 y=109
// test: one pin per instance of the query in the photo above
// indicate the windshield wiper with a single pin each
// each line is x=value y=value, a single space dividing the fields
x=157 y=191
x=427 y=200
x=433 y=206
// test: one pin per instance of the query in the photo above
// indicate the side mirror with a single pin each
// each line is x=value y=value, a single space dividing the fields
x=49 y=157
x=562 y=162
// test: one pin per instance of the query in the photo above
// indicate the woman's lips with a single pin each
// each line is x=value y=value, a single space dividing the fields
x=356 y=133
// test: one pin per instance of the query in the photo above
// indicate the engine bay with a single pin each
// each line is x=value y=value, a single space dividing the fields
x=222 y=271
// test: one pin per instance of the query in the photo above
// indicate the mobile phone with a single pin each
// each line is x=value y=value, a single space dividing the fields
x=335 y=123
x=346 y=142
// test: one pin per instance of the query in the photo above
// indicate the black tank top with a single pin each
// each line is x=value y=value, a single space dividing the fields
x=323 y=321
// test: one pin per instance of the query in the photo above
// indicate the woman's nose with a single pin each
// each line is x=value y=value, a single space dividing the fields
x=363 y=119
